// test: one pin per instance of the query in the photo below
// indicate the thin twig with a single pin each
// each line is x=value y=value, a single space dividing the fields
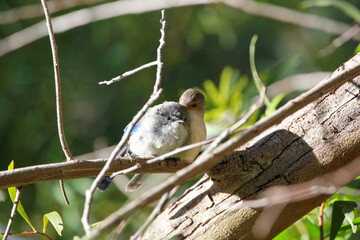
x=31 y=233
x=61 y=132
x=62 y=187
x=154 y=96
x=159 y=53
x=158 y=61
x=57 y=82
x=339 y=41
x=211 y=157
x=128 y=73
x=119 y=229
x=165 y=198
x=320 y=219
x=13 y=212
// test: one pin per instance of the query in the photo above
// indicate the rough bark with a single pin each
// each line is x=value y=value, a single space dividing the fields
x=318 y=139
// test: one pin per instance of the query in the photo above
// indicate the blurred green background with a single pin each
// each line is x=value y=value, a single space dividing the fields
x=201 y=41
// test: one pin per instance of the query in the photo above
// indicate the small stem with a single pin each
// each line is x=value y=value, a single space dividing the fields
x=13 y=212
x=320 y=219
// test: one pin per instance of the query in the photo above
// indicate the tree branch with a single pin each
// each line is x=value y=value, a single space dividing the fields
x=80 y=169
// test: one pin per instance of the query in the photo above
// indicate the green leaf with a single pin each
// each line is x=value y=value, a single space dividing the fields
x=76 y=238
x=342 y=209
x=11 y=165
x=346 y=7
x=12 y=193
x=336 y=220
x=55 y=220
x=97 y=224
x=225 y=81
x=357 y=49
x=276 y=100
x=346 y=226
x=349 y=210
x=213 y=93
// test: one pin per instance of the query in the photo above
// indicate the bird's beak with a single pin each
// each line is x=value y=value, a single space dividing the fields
x=180 y=121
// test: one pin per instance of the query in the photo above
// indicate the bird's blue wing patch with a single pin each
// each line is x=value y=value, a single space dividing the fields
x=135 y=128
x=125 y=149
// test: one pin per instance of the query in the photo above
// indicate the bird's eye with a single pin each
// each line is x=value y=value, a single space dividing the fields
x=194 y=105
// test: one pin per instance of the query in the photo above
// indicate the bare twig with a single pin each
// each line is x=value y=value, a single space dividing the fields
x=57 y=82
x=213 y=155
x=159 y=53
x=13 y=212
x=62 y=187
x=82 y=17
x=119 y=229
x=128 y=73
x=157 y=210
x=339 y=41
x=61 y=132
x=155 y=95
x=320 y=219
x=158 y=61
x=31 y=233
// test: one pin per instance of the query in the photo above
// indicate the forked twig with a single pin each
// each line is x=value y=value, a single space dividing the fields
x=154 y=96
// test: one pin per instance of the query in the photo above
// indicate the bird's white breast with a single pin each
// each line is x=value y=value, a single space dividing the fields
x=153 y=138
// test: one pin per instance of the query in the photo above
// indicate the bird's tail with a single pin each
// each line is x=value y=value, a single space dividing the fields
x=105 y=183
x=136 y=182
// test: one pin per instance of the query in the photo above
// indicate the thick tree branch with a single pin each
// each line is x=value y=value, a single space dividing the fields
x=318 y=139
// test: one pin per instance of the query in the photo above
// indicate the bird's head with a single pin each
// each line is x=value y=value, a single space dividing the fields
x=193 y=100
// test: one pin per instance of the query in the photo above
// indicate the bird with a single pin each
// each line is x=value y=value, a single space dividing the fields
x=164 y=128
